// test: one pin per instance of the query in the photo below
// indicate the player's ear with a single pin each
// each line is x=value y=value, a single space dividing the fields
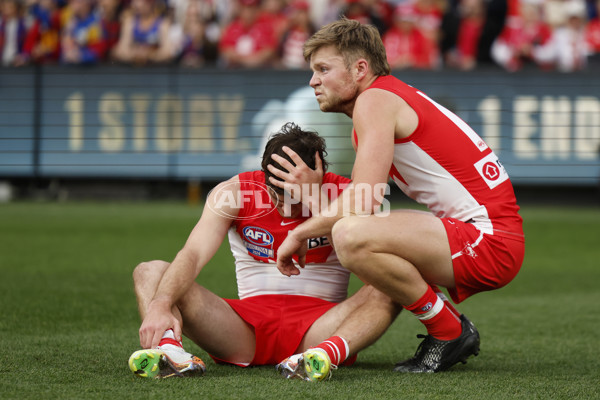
x=361 y=68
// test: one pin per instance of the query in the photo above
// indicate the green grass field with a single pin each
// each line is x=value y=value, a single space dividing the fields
x=69 y=321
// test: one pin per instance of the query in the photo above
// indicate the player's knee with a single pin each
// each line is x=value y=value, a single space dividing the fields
x=383 y=301
x=148 y=269
x=374 y=299
x=348 y=242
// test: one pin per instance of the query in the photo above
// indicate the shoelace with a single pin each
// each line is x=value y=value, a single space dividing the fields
x=425 y=339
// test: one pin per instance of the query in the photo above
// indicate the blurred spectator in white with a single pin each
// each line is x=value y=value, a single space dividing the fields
x=42 y=43
x=145 y=35
x=300 y=28
x=110 y=17
x=326 y=11
x=82 y=40
x=12 y=33
x=463 y=55
x=568 y=48
x=225 y=11
x=210 y=11
x=249 y=41
x=405 y=44
x=555 y=13
x=524 y=37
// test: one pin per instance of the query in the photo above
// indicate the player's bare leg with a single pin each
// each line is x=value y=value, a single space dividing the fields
x=204 y=317
x=401 y=255
x=398 y=254
x=361 y=320
x=340 y=333
x=146 y=277
x=214 y=326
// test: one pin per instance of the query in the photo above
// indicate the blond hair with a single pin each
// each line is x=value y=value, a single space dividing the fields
x=353 y=40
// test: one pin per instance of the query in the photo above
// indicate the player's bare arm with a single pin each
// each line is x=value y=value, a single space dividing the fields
x=200 y=247
x=374 y=119
x=376 y=127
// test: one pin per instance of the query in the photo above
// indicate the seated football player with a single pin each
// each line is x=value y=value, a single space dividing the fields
x=305 y=325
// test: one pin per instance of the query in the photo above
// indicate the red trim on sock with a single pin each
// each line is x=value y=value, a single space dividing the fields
x=424 y=304
x=446 y=302
x=335 y=349
x=170 y=341
x=444 y=325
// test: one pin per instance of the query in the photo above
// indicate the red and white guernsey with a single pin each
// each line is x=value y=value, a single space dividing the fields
x=446 y=166
x=255 y=236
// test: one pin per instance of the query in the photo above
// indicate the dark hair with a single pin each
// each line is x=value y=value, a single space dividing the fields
x=304 y=143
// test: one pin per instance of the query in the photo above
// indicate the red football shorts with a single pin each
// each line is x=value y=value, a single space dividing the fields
x=481 y=262
x=280 y=322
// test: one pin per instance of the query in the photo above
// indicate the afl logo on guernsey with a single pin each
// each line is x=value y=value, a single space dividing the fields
x=258 y=236
x=258 y=241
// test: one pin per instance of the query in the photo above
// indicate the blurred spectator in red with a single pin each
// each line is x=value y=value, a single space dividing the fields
x=593 y=31
x=144 y=37
x=405 y=44
x=249 y=41
x=275 y=9
x=429 y=22
x=494 y=18
x=430 y=14
x=366 y=12
x=12 y=33
x=83 y=35
x=568 y=49
x=42 y=43
x=110 y=17
x=523 y=39
x=472 y=19
x=300 y=28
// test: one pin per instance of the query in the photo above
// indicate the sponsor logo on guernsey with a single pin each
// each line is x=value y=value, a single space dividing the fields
x=258 y=241
x=491 y=170
x=317 y=242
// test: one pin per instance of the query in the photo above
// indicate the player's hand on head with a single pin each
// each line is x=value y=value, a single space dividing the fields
x=285 y=253
x=297 y=178
x=298 y=172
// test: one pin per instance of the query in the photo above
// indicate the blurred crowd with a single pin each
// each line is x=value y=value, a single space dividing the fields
x=561 y=35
